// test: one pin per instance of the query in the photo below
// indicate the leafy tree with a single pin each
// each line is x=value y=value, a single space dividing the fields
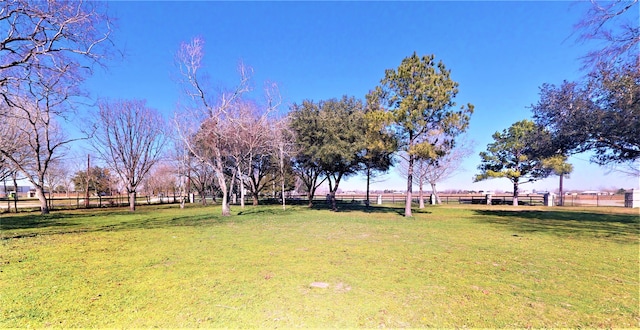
x=339 y=155
x=603 y=116
x=420 y=95
x=559 y=166
x=329 y=134
x=379 y=143
x=263 y=173
x=306 y=126
x=615 y=138
x=99 y=180
x=514 y=155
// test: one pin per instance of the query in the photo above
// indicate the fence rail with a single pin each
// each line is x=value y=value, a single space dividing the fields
x=122 y=200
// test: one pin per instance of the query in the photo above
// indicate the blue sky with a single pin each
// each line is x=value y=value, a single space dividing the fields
x=499 y=53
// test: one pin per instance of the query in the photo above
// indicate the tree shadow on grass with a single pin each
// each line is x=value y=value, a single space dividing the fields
x=31 y=225
x=353 y=207
x=361 y=207
x=342 y=207
x=622 y=228
x=33 y=221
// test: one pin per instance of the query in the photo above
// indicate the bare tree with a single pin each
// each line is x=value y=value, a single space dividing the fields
x=31 y=140
x=49 y=39
x=283 y=143
x=444 y=167
x=47 y=49
x=203 y=125
x=419 y=176
x=55 y=177
x=202 y=178
x=6 y=172
x=254 y=141
x=129 y=138
x=162 y=180
x=183 y=164
x=213 y=123
x=435 y=170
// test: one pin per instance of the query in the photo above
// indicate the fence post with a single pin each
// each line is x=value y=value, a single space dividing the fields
x=632 y=199
x=548 y=199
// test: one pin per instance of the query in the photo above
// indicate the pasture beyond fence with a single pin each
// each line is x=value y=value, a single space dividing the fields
x=616 y=200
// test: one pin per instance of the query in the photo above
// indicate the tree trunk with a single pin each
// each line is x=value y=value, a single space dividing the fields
x=203 y=196
x=421 y=196
x=332 y=192
x=7 y=195
x=132 y=200
x=561 y=202
x=407 y=202
x=241 y=188
x=182 y=197
x=334 y=204
x=15 y=189
x=368 y=201
x=284 y=201
x=226 y=208
x=284 y=207
x=434 y=191
x=515 y=193
x=50 y=200
x=312 y=193
x=44 y=204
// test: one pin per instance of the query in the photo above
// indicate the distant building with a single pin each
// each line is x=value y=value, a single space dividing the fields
x=23 y=191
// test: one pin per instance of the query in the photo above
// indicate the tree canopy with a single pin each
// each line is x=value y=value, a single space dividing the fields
x=603 y=116
x=330 y=140
x=420 y=96
x=514 y=155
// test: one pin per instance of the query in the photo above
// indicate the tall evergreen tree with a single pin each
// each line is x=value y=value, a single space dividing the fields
x=420 y=96
x=514 y=155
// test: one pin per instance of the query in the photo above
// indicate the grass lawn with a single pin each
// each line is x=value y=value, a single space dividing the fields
x=448 y=266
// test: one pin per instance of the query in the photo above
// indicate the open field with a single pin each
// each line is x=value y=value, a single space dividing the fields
x=448 y=266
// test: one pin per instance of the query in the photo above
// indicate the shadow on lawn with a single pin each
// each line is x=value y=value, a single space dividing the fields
x=33 y=221
x=30 y=225
x=359 y=207
x=104 y=220
x=618 y=227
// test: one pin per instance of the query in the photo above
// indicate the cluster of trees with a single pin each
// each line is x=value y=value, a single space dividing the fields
x=242 y=144
x=230 y=144
x=600 y=113
x=226 y=141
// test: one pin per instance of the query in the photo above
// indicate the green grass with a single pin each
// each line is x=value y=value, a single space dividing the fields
x=445 y=267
